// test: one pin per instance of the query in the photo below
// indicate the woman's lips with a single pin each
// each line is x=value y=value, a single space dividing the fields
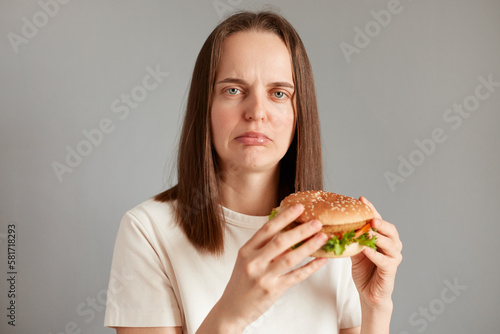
x=253 y=138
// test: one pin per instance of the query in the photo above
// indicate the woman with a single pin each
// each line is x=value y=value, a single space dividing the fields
x=202 y=256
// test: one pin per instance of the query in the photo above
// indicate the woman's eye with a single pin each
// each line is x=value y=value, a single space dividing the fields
x=233 y=91
x=279 y=95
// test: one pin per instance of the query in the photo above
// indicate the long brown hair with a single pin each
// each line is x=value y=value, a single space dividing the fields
x=197 y=209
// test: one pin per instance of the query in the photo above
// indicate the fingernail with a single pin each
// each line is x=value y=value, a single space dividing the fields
x=316 y=224
x=322 y=238
x=298 y=207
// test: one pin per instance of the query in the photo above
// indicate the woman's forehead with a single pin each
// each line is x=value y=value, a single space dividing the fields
x=255 y=53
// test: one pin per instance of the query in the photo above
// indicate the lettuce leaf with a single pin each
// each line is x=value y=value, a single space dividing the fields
x=366 y=241
x=338 y=246
x=273 y=214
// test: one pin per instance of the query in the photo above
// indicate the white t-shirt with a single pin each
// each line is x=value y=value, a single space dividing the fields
x=158 y=279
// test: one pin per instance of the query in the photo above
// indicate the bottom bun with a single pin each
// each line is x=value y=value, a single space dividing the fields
x=350 y=250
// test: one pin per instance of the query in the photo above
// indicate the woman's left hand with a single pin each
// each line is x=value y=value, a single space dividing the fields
x=374 y=272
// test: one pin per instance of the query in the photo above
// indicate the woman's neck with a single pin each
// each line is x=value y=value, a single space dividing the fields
x=250 y=193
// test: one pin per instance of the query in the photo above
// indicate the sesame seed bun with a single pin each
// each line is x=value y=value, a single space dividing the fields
x=337 y=213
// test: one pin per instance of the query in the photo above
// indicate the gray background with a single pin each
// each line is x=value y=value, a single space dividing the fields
x=65 y=76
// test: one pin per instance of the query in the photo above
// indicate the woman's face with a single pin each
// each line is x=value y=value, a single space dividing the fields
x=252 y=115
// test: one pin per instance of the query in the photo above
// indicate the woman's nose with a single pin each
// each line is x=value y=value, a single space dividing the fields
x=255 y=108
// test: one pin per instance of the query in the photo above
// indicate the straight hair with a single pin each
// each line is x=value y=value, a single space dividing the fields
x=196 y=196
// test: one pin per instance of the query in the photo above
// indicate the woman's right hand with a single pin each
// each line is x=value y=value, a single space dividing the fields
x=263 y=271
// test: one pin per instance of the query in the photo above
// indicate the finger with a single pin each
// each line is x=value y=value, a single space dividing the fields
x=285 y=240
x=385 y=228
x=289 y=259
x=367 y=202
x=299 y=274
x=275 y=225
x=386 y=245
x=382 y=261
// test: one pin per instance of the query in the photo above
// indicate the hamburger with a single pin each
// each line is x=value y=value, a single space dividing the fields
x=345 y=220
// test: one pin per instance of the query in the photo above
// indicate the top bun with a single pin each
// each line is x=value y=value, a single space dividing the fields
x=337 y=213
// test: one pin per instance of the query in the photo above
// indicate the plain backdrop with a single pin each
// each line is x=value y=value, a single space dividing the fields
x=409 y=97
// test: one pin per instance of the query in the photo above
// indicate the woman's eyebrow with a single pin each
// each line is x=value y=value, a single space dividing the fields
x=232 y=80
x=243 y=82
x=282 y=84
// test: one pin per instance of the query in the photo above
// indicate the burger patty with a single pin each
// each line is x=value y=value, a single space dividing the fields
x=330 y=229
x=334 y=229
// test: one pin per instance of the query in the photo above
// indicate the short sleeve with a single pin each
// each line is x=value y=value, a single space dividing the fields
x=350 y=307
x=140 y=293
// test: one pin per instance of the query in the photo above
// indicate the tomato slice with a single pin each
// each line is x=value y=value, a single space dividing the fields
x=362 y=230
